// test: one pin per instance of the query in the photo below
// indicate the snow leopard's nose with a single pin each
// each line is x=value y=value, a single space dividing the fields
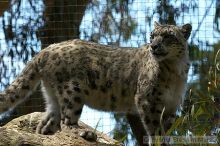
x=158 y=50
x=155 y=47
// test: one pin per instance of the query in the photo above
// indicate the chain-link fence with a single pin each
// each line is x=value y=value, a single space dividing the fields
x=27 y=26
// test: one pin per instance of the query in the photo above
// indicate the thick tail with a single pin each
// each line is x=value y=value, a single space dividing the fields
x=21 y=88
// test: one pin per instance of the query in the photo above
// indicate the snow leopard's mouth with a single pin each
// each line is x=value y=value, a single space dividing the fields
x=159 y=53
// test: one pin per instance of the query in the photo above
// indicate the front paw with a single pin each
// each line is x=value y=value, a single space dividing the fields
x=49 y=125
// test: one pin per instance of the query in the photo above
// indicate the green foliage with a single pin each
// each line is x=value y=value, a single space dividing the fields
x=114 y=22
x=200 y=115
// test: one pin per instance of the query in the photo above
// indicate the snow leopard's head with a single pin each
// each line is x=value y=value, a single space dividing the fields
x=169 y=41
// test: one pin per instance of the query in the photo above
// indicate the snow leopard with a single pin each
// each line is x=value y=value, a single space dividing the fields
x=148 y=81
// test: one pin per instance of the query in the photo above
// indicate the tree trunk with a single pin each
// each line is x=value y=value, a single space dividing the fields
x=62 y=20
x=4 y=5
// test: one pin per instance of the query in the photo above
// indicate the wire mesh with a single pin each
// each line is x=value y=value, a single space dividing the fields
x=27 y=26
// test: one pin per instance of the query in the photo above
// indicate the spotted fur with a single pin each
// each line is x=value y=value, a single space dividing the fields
x=144 y=81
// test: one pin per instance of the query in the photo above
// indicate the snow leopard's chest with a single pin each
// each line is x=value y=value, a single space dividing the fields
x=169 y=89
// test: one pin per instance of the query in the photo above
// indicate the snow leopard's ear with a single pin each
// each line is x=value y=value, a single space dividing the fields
x=186 y=30
x=156 y=25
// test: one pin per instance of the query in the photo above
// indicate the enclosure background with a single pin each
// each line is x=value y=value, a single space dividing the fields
x=27 y=26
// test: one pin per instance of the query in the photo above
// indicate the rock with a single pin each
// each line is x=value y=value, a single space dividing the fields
x=21 y=132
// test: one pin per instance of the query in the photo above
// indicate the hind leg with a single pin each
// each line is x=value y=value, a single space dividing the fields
x=71 y=109
x=71 y=102
x=51 y=121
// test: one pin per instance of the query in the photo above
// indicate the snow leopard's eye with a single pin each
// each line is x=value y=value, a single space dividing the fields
x=169 y=38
